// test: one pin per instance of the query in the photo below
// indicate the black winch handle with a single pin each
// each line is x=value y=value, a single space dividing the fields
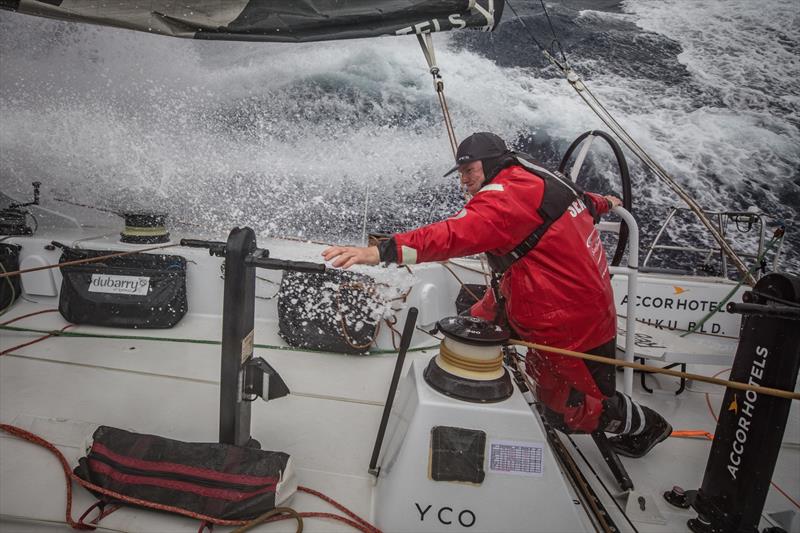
x=775 y=311
x=197 y=243
x=216 y=248
x=405 y=342
x=280 y=264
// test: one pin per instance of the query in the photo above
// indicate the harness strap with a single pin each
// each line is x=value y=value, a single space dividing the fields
x=559 y=194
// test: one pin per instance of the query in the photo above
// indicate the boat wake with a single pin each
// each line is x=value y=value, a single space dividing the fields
x=303 y=140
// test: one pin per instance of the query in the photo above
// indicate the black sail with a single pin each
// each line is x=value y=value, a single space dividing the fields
x=272 y=20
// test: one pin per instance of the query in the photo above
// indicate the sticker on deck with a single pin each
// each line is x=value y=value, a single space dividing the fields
x=518 y=458
x=111 y=284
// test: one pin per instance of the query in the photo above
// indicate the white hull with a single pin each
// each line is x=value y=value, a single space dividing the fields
x=61 y=388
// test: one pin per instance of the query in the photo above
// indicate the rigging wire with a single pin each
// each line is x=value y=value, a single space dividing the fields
x=550 y=57
x=426 y=43
x=594 y=104
x=553 y=31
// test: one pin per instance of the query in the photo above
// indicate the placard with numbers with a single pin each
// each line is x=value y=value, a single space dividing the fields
x=514 y=457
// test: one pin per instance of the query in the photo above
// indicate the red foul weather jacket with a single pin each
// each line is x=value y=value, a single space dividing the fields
x=558 y=294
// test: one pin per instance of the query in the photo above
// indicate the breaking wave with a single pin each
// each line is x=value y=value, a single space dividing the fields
x=303 y=140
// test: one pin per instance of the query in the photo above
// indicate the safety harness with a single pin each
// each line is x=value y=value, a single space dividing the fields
x=559 y=194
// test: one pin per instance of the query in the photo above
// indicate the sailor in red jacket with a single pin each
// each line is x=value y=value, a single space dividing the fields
x=538 y=231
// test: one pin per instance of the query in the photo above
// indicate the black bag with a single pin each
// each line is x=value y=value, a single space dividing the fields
x=335 y=311
x=131 y=291
x=10 y=287
x=221 y=481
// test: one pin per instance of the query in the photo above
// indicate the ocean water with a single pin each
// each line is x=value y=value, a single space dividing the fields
x=321 y=140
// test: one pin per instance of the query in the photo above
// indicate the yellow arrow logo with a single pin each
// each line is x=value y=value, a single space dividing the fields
x=679 y=290
x=734 y=406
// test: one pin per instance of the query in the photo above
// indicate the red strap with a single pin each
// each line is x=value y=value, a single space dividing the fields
x=123 y=478
x=164 y=466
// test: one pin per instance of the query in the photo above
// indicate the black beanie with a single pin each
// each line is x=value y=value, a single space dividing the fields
x=482 y=146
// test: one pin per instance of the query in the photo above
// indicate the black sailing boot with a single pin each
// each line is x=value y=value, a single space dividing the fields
x=638 y=443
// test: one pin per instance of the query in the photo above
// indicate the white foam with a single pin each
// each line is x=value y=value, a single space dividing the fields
x=217 y=128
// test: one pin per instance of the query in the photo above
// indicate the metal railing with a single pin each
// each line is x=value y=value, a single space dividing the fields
x=632 y=272
x=723 y=220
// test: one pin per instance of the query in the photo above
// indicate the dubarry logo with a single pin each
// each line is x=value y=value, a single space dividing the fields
x=110 y=284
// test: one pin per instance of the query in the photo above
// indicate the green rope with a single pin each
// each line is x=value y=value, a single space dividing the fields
x=57 y=333
x=776 y=237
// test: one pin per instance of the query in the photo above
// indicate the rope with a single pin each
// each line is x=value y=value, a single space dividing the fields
x=354 y=521
x=768 y=391
x=40 y=339
x=469 y=363
x=343 y=325
x=366 y=525
x=463 y=285
x=87 y=260
x=678 y=433
x=7 y=322
x=594 y=104
x=778 y=234
x=483 y=271
x=266 y=517
x=604 y=115
x=692 y=434
x=547 y=54
x=426 y=43
x=451 y=134
x=553 y=31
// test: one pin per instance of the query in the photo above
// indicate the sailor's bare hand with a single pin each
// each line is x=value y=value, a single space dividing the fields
x=613 y=200
x=347 y=256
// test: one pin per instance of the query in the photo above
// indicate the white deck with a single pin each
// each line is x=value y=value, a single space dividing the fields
x=61 y=388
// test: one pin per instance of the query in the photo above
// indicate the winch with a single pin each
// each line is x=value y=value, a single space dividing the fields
x=456 y=433
x=469 y=365
x=14 y=218
x=142 y=227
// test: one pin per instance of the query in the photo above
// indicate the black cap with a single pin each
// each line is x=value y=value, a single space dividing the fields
x=481 y=145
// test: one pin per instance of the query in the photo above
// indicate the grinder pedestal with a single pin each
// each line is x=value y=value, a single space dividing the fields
x=458 y=435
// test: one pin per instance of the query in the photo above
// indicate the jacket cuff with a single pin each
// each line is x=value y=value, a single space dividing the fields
x=388 y=250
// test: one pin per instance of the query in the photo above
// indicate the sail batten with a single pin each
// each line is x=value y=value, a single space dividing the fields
x=274 y=20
